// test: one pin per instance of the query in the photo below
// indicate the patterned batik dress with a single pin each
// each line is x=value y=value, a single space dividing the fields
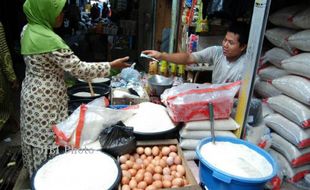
x=44 y=100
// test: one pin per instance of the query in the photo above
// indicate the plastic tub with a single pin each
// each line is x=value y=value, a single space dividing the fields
x=215 y=179
x=100 y=90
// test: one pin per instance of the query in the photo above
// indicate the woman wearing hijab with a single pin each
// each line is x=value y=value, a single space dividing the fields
x=44 y=93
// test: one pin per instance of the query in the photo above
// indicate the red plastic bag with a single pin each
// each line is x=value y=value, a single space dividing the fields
x=189 y=102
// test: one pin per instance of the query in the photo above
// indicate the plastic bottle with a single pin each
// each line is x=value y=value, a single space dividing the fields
x=172 y=69
x=153 y=67
x=163 y=70
x=181 y=71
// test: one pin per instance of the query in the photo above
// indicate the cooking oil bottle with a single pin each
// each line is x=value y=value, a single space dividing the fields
x=163 y=68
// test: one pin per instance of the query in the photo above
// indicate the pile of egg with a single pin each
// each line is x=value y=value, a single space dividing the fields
x=152 y=168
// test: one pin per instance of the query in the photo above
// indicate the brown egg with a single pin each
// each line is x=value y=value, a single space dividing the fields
x=122 y=159
x=155 y=151
x=157 y=177
x=150 y=158
x=140 y=150
x=125 y=180
x=181 y=169
x=158 y=184
x=162 y=163
x=172 y=154
x=185 y=181
x=139 y=177
x=127 y=156
x=167 y=178
x=166 y=171
x=129 y=163
x=126 y=173
x=148 y=179
x=150 y=168
x=142 y=185
x=170 y=161
x=158 y=169
x=157 y=158
x=132 y=158
x=177 y=160
x=149 y=174
x=124 y=167
x=178 y=174
x=141 y=171
x=125 y=187
x=147 y=151
x=166 y=184
x=173 y=173
x=177 y=182
x=173 y=167
x=136 y=166
x=133 y=172
x=132 y=183
x=146 y=162
x=165 y=150
x=139 y=161
x=150 y=187
x=136 y=156
x=173 y=148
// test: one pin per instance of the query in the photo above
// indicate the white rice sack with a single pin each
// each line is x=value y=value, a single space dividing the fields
x=298 y=64
x=266 y=110
x=275 y=56
x=271 y=72
x=283 y=17
x=189 y=144
x=219 y=125
x=288 y=130
x=302 y=19
x=295 y=87
x=300 y=40
x=259 y=135
x=296 y=157
x=266 y=89
x=203 y=134
x=291 y=109
x=190 y=155
x=279 y=37
x=293 y=175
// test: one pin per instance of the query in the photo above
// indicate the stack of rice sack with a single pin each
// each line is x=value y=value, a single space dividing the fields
x=286 y=88
x=194 y=131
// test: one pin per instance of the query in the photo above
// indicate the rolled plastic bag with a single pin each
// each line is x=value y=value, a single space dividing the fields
x=288 y=130
x=296 y=157
x=298 y=64
x=295 y=87
x=291 y=109
x=275 y=56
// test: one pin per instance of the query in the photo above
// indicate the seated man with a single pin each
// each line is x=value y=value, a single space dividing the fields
x=228 y=59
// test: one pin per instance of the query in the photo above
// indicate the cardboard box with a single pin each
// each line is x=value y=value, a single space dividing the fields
x=189 y=176
x=128 y=101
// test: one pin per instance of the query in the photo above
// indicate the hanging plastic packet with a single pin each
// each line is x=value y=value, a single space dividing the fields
x=130 y=74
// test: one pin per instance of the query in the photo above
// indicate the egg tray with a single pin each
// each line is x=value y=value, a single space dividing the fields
x=193 y=185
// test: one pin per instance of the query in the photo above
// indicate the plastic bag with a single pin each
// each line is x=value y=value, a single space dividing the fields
x=295 y=87
x=291 y=109
x=300 y=40
x=219 y=125
x=271 y=72
x=84 y=125
x=202 y=134
x=298 y=64
x=296 y=157
x=284 y=17
x=130 y=75
x=288 y=130
x=189 y=102
x=302 y=19
x=275 y=56
x=279 y=36
x=266 y=89
x=117 y=139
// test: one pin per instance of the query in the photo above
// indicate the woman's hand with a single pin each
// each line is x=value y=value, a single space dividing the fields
x=153 y=53
x=120 y=63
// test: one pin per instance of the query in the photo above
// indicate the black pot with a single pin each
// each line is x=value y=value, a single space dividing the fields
x=95 y=82
x=102 y=90
x=169 y=134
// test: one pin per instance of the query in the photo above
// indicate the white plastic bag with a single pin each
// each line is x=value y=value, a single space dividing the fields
x=302 y=19
x=289 y=130
x=293 y=175
x=298 y=64
x=189 y=102
x=296 y=157
x=291 y=109
x=270 y=73
x=189 y=144
x=84 y=125
x=275 y=56
x=219 y=125
x=202 y=134
x=279 y=37
x=283 y=17
x=295 y=87
x=190 y=155
x=266 y=89
x=300 y=40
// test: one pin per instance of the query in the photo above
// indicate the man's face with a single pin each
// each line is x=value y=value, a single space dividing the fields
x=231 y=46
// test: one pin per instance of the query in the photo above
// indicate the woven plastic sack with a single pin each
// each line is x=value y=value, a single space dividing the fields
x=189 y=102
x=291 y=109
x=219 y=125
x=271 y=72
x=293 y=175
x=202 y=134
x=296 y=157
x=288 y=130
x=302 y=19
x=300 y=40
x=279 y=37
x=295 y=87
x=266 y=89
x=298 y=64
x=284 y=17
x=275 y=56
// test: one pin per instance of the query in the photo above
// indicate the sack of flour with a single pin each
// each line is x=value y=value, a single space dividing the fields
x=275 y=56
x=284 y=17
x=298 y=64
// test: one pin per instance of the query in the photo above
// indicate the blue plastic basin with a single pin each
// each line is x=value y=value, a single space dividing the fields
x=215 y=179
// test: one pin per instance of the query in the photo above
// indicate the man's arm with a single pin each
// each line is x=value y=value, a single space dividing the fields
x=178 y=58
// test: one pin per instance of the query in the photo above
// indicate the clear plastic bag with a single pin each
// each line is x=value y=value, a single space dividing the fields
x=189 y=102
x=275 y=56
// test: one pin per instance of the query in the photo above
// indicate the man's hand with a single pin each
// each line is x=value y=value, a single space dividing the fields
x=153 y=53
x=120 y=63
